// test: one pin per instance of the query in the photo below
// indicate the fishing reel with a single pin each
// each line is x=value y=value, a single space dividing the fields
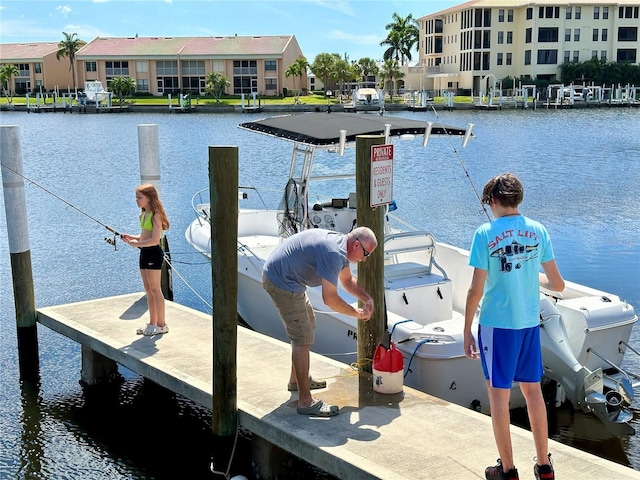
x=112 y=241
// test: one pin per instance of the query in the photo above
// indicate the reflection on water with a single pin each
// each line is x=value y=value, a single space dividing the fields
x=580 y=170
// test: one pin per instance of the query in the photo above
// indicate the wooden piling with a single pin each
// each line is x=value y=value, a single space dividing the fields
x=370 y=273
x=18 y=234
x=223 y=191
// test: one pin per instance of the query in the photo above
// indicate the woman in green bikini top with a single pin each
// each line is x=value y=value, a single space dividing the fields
x=153 y=223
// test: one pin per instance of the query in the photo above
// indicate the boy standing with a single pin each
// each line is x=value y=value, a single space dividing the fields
x=506 y=255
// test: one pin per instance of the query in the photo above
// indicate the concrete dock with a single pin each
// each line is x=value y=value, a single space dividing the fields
x=410 y=435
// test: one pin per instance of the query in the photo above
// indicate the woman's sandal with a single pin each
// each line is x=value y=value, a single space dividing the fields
x=313 y=385
x=319 y=409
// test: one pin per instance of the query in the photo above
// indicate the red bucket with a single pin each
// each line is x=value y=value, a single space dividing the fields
x=388 y=369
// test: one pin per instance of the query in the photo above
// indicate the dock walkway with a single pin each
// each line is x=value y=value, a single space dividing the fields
x=410 y=435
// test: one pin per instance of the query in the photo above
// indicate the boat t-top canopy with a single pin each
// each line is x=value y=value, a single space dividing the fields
x=324 y=129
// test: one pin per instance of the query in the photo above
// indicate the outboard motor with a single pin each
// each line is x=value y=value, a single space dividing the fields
x=585 y=388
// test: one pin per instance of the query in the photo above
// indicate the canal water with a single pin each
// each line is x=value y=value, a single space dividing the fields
x=580 y=169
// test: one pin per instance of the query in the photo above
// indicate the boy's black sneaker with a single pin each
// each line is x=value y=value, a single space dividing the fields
x=544 y=472
x=497 y=473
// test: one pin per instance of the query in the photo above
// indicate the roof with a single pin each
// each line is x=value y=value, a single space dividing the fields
x=27 y=52
x=323 y=129
x=148 y=47
x=525 y=3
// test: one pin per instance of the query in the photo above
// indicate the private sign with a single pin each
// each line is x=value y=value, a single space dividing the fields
x=381 y=175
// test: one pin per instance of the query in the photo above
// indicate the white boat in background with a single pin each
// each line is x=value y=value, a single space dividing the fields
x=94 y=91
x=585 y=332
x=367 y=96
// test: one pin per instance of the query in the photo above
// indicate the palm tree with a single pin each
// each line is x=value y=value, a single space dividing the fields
x=297 y=69
x=323 y=67
x=215 y=85
x=7 y=72
x=122 y=87
x=403 y=36
x=68 y=48
x=368 y=67
x=391 y=71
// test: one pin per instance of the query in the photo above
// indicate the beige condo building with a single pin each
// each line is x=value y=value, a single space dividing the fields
x=162 y=65
x=479 y=42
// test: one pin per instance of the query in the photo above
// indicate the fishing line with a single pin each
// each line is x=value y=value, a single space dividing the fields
x=33 y=182
x=464 y=167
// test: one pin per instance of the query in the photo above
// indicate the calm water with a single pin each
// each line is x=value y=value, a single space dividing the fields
x=581 y=172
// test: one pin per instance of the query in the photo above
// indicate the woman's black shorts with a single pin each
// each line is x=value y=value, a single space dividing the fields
x=151 y=258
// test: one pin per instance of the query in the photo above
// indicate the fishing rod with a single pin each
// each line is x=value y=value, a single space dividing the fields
x=464 y=167
x=110 y=241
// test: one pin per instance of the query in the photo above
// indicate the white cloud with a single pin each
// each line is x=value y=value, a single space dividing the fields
x=339 y=6
x=356 y=39
x=64 y=9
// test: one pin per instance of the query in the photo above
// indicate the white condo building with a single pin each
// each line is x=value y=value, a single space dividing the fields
x=483 y=41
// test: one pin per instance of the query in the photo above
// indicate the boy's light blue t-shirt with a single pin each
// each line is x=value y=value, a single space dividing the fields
x=511 y=249
x=305 y=258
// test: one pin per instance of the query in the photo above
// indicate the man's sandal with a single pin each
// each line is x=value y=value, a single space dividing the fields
x=313 y=385
x=319 y=409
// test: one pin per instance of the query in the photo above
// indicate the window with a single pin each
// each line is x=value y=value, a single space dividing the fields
x=529 y=13
x=167 y=67
x=626 y=55
x=37 y=67
x=270 y=66
x=528 y=33
x=499 y=59
x=596 y=13
x=548 y=34
x=509 y=58
x=576 y=35
x=245 y=76
x=568 y=13
x=510 y=15
x=603 y=55
x=547 y=57
x=271 y=84
x=595 y=35
x=192 y=67
x=605 y=34
x=500 y=38
x=628 y=34
x=527 y=57
x=624 y=12
x=576 y=56
x=90 y=67
x=594 y=54
x=142 y=85
x=501 y=15
x=567 y=56
x=117 y=69
x=142 y=67
x=605 y=13
x=485 y=61
x=486 y=39
x=567 y=35
x=23 y=70
x=578 y=13
x=509 y=37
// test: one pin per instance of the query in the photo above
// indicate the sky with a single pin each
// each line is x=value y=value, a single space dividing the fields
x=352 y=27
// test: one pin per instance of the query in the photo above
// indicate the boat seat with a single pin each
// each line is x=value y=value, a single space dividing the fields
x=405 y=269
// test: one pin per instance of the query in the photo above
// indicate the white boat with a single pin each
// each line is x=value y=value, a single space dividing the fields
x=95 y=91
x=585 y=331
x=367 y=96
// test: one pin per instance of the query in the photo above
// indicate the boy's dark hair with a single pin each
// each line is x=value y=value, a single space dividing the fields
x=506 y=188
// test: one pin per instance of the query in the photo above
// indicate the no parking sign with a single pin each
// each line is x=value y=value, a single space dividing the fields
x=381 y=175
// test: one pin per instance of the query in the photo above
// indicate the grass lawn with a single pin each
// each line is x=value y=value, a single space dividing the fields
x=311 y=99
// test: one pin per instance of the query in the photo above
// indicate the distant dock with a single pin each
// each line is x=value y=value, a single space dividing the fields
x=410 y=435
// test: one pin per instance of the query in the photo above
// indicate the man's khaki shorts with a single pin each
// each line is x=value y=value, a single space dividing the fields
x=295 y=311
